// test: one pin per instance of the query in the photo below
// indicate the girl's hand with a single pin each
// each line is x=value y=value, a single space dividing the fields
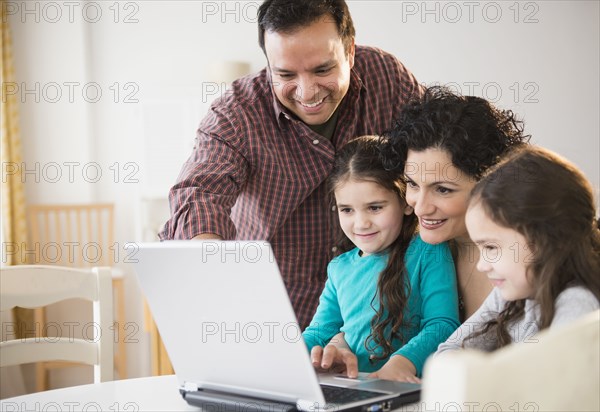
x=335 y=360
x=397 y=368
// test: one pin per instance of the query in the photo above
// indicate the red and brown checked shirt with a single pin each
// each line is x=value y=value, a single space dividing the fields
x=258 y=173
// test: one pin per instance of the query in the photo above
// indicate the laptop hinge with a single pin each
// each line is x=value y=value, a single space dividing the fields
x=190 y=386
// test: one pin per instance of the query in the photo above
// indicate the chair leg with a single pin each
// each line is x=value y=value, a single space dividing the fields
x=165 y=363
x=120 y=356
x=155 y=349
x=159 y=360
x=41 y=377
x=41 y=371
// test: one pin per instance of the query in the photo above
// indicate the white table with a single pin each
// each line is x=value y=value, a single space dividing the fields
x=157 y=393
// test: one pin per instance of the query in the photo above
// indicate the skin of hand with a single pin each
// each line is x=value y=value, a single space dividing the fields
x=334 y=359
x=336 y=353
x=397 y=368
x=338 y=358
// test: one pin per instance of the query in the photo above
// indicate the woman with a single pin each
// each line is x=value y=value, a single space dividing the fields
x=444 y=143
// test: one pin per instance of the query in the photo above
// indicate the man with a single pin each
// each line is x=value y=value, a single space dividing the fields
x=263 y=153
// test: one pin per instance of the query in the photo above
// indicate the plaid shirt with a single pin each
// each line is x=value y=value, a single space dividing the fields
x=257 y=173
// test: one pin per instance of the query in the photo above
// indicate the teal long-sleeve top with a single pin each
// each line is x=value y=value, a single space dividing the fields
x=345 y=303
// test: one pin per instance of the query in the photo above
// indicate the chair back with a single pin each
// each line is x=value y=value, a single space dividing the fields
x=556 y=370
x=35 y=286
x=78 y=235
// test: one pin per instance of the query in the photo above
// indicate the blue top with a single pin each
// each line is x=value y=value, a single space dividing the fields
x=346 y=303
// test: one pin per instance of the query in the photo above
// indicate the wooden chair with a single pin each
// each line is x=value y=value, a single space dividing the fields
x=557 y=370
x=159 y=359
x=79 y=235
x=34 y=286
x=154 y=212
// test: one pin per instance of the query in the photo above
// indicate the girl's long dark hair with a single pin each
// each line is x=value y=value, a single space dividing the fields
x=550 y=202
x=359 y=160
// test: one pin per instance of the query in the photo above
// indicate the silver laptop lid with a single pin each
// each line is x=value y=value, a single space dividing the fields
x=225 y=318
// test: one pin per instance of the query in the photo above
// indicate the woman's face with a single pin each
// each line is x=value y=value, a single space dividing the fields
x=439 y=194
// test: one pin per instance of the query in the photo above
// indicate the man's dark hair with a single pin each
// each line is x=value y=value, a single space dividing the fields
x=287 y=16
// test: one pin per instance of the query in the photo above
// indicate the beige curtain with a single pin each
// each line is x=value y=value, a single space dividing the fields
x=13 y=195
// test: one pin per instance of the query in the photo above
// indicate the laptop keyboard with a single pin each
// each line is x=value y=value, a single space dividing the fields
x=335 y=394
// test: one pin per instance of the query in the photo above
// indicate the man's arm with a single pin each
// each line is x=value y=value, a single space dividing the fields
x=208 y=184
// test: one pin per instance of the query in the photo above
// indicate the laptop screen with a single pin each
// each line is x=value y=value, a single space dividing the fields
x=225 y=318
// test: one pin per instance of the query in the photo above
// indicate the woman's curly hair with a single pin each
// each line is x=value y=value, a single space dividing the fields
x=471 y=130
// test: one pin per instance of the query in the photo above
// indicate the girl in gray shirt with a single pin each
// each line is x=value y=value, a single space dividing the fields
x=533 y=219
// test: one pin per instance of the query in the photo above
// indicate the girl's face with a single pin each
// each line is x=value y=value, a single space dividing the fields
x=370 y=215
x=505 y=255
x=439 y=194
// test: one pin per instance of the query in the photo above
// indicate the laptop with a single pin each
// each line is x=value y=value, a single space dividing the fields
x=224 y=315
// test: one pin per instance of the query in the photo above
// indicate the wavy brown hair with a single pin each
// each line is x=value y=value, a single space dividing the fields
x=549 y=201
x=470 y=129
x=359 y=160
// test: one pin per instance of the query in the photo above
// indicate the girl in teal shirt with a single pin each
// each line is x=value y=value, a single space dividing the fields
x=393 y=295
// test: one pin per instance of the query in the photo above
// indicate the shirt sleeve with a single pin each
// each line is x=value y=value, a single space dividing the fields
x=490 y=307
x=572 y=304
x=209 y=182
x=439 y=305
x=406 y=82
x=327 y=321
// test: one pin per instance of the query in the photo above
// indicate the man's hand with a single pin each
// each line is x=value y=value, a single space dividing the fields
x=397 y=368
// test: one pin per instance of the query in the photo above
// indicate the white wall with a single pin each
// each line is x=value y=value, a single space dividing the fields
x=540 y=59
x=542 y=62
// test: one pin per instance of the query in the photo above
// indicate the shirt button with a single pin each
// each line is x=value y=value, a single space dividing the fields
x=334 y=249
x=316 y=141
